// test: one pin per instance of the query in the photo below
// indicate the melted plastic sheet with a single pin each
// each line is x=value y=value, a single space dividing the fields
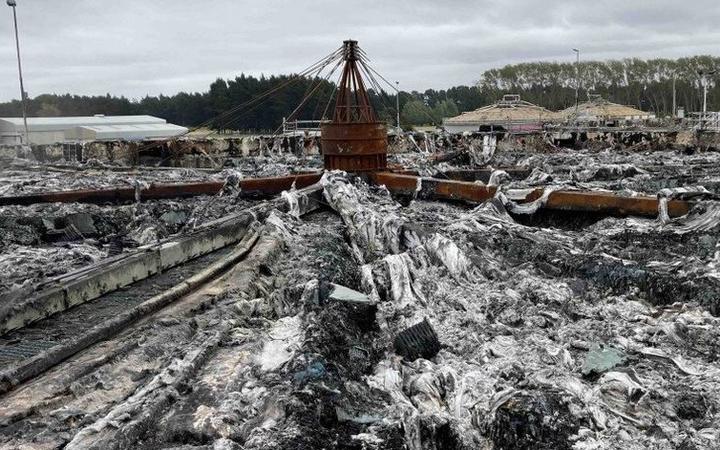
x=519 y=311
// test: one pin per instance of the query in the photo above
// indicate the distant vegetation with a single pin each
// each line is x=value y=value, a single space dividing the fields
x=646 y=84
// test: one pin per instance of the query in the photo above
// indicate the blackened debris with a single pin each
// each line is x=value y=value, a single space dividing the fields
x=533 y=420
x=418 y=341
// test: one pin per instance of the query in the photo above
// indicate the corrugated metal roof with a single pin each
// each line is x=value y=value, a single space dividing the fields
x=63 y=123
x=599 y=108
x=509 y=110
x=124 y=132
x=132 y=127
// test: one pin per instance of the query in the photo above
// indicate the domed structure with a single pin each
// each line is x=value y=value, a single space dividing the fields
x=509 y=114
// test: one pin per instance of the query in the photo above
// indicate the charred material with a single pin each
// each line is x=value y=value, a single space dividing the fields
x=573 y=297
x=294 y=346
x=418 y=341
x=532 y=420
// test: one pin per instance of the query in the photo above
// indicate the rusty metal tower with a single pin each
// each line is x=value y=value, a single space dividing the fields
x=354 y=140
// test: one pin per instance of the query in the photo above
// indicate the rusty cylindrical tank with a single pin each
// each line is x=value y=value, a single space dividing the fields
x=354 y=140
x=354 y=147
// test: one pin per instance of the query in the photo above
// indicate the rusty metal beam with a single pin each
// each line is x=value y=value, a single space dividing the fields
x=600 y=202
x=403 y=171
x=250 y=187
x=270 y=186
x=457 y=190
x=481 y=174
x=433 y=188
x=609 y=203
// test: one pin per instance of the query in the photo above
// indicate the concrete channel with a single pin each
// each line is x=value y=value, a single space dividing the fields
x=88 y=283
x=245 y=234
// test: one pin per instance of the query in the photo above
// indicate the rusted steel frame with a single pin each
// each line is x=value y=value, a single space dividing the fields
x=251 y=187
x=609 y=203
x=352 y=86
x=433 y=188
x=399 y=184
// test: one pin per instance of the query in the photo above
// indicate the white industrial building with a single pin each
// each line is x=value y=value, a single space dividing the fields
x=51 y=130
x=124 y=132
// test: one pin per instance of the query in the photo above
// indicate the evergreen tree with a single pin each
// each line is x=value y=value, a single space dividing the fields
x=646 y=84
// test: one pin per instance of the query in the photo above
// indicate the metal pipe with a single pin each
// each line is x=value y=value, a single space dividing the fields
x=12 y=4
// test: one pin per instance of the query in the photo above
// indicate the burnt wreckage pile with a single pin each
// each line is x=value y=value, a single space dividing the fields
x=549 y=304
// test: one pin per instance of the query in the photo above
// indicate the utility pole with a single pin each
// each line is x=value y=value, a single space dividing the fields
x=704 y=80
x=712 y=72
x=13 y=4
x=674 y=108
x=397 y=104
x=577 y=79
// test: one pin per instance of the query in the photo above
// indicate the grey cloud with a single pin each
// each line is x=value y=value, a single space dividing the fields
x=135 y=47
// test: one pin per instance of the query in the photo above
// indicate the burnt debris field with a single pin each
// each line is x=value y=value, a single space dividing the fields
x=490 y=229
x=345 y=313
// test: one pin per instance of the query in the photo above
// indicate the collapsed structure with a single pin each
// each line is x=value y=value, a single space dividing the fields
x=540 y=299
x=598 y=112
x=510 y=114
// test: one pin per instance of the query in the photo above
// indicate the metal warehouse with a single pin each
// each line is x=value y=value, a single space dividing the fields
x=50 y=130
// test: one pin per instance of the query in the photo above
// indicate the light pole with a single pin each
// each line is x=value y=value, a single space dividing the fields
x=577 y=78
x=13 y=4
x=674 y=108
x=397 y=104
x=704 y=80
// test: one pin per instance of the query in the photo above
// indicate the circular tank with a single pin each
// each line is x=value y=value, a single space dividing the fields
x=354 y=147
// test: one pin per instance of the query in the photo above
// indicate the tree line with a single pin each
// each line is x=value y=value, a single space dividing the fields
x=645 y=84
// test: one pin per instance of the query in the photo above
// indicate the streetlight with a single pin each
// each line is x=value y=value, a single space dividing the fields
x=674 y=108
x=704 y=80
x=13 y=4
x=577 y=78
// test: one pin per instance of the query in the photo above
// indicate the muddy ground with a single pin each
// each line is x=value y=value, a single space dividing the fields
x=555 y=332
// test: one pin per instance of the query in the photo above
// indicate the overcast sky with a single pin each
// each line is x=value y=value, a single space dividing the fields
x=135 y=48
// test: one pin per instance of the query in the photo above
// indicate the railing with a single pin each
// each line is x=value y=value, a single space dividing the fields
x=294 y=126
